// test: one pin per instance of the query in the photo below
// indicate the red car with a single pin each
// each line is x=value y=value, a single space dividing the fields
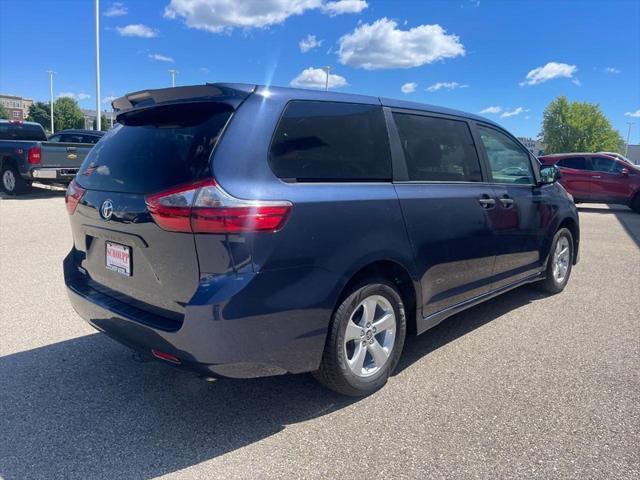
x=597 y=178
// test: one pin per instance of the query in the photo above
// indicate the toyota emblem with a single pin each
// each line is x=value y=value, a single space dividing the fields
x=106 y=210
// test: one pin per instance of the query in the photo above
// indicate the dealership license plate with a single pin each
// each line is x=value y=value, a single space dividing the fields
x=118 y=258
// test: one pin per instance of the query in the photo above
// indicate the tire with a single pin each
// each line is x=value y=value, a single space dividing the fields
x=635 y=203
x=368 y=340
x=558 y=272
x=11 y=181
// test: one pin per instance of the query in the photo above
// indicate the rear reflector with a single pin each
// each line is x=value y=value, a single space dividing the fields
x=73 y=196
x=203 y=207
x=34 y=156
x=165 y=356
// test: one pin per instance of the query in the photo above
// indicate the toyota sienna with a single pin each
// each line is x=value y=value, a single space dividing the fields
x=245 y=231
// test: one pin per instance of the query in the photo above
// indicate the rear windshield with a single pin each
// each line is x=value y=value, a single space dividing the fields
x=155 y=149
x=21 y=131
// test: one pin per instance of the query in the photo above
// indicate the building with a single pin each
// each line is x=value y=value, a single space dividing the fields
x=90 y=118
x=18 y=107
x=534 y=146
x=633 y=153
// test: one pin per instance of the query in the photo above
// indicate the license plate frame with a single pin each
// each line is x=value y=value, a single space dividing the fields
x=117 y=258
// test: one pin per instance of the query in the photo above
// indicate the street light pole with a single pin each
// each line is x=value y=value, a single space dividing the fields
x=51 y=72
x=327 y=69
x=98 y=119
x=173 y=77
x=626 y=151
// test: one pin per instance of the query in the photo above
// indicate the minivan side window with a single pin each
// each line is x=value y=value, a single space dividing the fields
x=437 y=149
x=331 y=141
x=508 y=162
x=576 y=163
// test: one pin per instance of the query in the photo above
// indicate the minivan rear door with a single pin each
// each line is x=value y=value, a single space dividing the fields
x=446 y=207
x=123 y=252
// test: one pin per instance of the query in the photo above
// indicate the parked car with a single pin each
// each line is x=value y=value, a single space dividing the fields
x=77 y=136
x=598 y=178
x=244 y=231
x=26 y=155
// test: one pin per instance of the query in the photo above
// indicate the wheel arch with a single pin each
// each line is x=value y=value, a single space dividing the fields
x=396 y=273
x=570 y=224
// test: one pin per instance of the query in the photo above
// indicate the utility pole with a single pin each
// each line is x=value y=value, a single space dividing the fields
x=173 y=73
x=327 y=69
x=626 y=151
x=98 y=119
x=51 y=73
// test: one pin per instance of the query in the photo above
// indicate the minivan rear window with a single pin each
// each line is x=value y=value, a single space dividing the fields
x=154 y=149
x=331 y=141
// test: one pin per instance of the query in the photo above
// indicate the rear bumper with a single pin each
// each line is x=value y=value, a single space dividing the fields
x=58 y=174
x=240 y=326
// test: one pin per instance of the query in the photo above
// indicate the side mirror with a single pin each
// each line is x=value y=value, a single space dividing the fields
x=549 y=174
x=624 y=172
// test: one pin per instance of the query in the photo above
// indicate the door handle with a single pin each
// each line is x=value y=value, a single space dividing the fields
x=486 y=201
x=506 y=201
x=71 y=149
x=596 y=176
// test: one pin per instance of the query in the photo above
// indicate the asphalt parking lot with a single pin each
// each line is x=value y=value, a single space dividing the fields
x=522 y=386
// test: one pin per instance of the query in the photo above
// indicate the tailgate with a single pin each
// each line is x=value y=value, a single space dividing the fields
x=64 y=155
x=123 y=252
x=162 y=267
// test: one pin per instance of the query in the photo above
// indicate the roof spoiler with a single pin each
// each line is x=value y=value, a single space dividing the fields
x=230 y=93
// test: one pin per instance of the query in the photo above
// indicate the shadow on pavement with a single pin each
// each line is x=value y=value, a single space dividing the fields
x=465 y=322
x=36 y=192
x=83 y=408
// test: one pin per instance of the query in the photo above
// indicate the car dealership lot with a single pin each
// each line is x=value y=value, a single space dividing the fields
x=523 y=385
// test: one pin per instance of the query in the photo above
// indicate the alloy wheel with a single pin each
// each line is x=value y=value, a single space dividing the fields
x=370 y=336
x=561 y=259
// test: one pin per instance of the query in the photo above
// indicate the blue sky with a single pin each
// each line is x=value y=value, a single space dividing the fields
x=515 y=56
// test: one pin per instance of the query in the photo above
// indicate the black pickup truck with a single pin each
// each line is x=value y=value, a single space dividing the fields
x=26 y=155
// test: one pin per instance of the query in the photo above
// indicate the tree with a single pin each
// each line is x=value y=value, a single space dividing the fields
x=67 y=114
x=40 y=112
x=578 y=127
x=4 y=114
x=104 y=125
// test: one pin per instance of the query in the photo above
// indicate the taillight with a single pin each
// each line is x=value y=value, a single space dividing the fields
x=34 y=155
x=73 y=196
x=203 y=207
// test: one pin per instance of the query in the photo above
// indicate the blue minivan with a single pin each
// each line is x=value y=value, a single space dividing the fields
x=243 y=231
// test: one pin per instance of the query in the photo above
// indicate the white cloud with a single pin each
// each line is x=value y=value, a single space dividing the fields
x=76 y=96
x=633 y=114
x=339 y=7
x=137 y=30
x=160 y=58
x=109 y=99
x=222 y=16
x=316 y=78
x=409 y=87
x=382 y=45
x=612 y=70
x=494 y=109
x=514 y=112
x=446 y=85
x=117 y=9
x=548 y=72
x=577 y=82
x=204 y=69
x=309 y=43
